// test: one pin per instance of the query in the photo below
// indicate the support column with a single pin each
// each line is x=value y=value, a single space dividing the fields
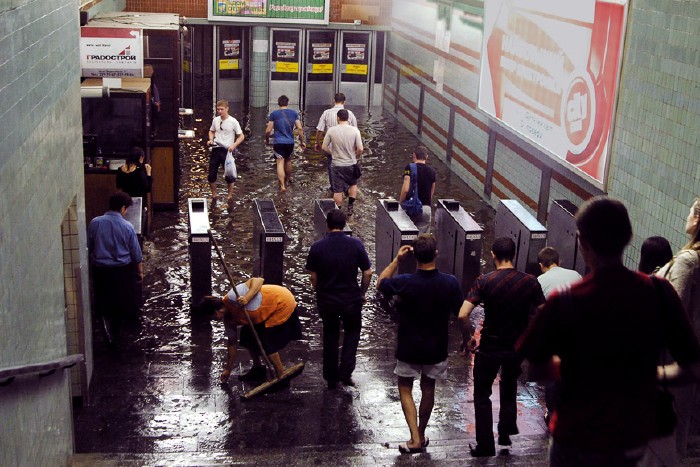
x=260 y=67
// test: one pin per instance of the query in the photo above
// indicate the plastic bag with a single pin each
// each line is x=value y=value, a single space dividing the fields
x=230 y=166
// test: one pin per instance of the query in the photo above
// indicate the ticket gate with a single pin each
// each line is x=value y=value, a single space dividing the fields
x=514 y=221
x=268 y=242
x=563 y=236
x=459 y=242
x=321 y=207
x=199 y=248
x=393 y=229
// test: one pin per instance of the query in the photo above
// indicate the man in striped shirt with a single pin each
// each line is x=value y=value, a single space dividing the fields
x=329 y=119
x=510 y=298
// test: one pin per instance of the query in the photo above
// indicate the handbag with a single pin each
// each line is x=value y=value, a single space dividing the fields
x=413 y=205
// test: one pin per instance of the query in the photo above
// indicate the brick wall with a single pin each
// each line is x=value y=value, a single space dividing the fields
x=41 y=176
x=654 y=167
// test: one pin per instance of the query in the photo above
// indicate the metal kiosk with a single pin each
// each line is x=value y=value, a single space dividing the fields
x=268 y=242
x=392 y=230
x=563 y=236
x=514 y=221
x=199 y=248
x=321 y=208
x=459 y=242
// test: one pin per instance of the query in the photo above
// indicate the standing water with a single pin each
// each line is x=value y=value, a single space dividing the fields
x=163 y=395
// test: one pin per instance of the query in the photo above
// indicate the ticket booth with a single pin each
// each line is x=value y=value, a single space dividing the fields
x=320 y=73
x=285 y=61
x=355 y=59
x=232 y=59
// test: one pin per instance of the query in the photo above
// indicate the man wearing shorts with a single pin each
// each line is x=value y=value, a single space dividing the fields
x=329 y=119
x=344 y=144
x=282 y=122
x=225 y=135
x=427 y=299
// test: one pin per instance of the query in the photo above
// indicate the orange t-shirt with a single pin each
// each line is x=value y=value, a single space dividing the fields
x=277 y=306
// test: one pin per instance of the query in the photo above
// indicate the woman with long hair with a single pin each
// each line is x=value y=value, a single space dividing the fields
x=683 y=271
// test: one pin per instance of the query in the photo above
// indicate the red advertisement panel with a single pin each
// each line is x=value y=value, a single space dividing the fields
x=550 y=71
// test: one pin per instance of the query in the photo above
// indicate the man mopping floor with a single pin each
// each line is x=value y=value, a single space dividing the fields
x=275 y=322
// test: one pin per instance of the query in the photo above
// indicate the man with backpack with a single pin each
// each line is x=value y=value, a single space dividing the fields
x=418 y=174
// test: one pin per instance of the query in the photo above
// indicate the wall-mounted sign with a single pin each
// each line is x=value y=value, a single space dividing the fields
x=286 y=50
x=270 y=11
x=321 y=51
x=353 y=69
x=285 y=67
x=549 y=72
x=228 y=64
x=322 y=68
x=232 y=48
x=111 y=52
x=355 y=52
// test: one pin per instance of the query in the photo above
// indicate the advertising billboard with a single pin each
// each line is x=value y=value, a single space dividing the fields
x=111 y=52
x=550 y=71
x=270 y=11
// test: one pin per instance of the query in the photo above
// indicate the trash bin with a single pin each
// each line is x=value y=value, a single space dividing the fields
x=268 y=242
x=392 y=230
x=321 y=208
x=514 y=221
x=199 y=248
x=459 y=242
x=563 y=236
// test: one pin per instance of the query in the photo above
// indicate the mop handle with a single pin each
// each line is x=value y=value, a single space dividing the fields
x=233 y=286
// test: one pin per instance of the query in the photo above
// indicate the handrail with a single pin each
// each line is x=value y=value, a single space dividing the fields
x=7 y=375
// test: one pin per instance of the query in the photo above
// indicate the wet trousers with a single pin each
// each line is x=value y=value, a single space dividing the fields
x=350 y=315
x=486 y=367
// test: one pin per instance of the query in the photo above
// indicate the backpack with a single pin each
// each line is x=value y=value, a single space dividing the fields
x=412 y=205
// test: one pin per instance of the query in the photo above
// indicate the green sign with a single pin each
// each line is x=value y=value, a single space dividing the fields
x=287 y=11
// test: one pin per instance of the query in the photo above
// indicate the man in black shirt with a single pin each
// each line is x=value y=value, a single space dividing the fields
x=510 y=298
x=333 y=263
x=426 y=187
x=427 y=299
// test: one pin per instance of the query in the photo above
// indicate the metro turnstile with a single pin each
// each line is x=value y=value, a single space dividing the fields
x=321 y=207
x=562 y=235
x=459 y=242
x=393 y=229
x=514 y=221
x=199 y=248
x=268 y=242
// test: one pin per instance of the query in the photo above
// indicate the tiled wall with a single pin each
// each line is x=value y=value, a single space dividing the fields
x=656 y=141
x=41 y=175
x=374 y=12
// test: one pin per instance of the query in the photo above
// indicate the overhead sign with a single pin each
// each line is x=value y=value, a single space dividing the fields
x=550 y=71
x=270 y=11
x=111 y=52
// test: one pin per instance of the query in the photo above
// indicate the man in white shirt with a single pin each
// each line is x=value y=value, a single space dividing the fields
x=553 y=276
x=344 y=144
x=328 y=119
x=225 y=135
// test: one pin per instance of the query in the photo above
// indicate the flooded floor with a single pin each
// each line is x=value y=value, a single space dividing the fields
x=162 y=394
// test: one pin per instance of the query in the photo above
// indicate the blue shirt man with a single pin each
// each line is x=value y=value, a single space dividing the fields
x=333 y=263
x=283 y=121
x=117 y=265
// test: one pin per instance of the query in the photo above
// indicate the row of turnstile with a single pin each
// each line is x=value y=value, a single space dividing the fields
x=459 y=238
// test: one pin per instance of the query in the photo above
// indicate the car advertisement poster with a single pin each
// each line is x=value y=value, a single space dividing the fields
x=111 y=52
x=270 y=11
x=550 y=72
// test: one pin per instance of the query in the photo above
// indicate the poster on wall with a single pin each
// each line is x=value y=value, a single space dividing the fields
x=550 y=72
x=229 y=58
x=111 y=52
x=270 y=11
